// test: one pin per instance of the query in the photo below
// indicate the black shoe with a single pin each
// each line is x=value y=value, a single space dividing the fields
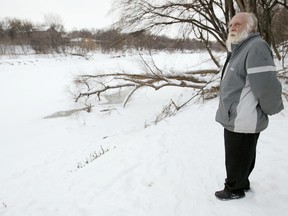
x=227 y=195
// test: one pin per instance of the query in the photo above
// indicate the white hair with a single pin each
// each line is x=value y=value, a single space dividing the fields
x=252 y=22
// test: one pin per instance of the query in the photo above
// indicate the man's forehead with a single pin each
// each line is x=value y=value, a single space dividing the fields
x=239 y=18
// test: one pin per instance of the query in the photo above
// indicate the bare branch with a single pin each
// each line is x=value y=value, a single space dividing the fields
x=153 y=80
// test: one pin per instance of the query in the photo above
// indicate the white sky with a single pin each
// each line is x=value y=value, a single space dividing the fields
x=75 y=14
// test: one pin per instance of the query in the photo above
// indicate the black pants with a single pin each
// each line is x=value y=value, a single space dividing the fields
x=240 y=155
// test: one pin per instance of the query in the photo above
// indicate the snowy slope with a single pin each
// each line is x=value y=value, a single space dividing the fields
x=172 y=168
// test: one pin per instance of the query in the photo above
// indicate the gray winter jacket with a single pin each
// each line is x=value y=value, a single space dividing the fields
x=249 y=89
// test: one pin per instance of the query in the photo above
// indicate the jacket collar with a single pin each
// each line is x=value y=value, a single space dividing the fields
x=234 y=47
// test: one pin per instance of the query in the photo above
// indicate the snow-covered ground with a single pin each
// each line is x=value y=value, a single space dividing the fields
x=172 y=168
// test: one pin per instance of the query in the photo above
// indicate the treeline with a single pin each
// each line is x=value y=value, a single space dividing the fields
x=23 y=37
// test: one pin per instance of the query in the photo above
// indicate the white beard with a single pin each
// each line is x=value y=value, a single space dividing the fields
x=235 y=38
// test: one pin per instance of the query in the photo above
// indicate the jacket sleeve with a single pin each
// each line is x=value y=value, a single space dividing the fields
x=261 y=72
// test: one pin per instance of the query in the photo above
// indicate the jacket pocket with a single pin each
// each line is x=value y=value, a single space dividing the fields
x=232 y=111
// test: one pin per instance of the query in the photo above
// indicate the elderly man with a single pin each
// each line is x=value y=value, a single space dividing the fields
x=249 y=92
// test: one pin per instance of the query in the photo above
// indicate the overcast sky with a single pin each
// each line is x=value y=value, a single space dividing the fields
x=75 y=14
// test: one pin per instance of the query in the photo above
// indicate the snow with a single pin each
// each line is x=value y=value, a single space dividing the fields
x=171 y=168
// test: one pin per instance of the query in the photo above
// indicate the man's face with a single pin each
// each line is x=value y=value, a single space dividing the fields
x=237 y=26
x=238 y=30
x=238 y=23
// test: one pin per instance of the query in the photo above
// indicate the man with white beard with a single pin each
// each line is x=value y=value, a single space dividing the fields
x=249 y=92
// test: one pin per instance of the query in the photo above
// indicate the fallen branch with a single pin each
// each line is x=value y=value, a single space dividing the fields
x=98 y=84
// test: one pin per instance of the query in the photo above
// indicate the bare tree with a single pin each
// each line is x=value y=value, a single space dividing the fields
x=189 y=17
x=54 y=21
x=207 y=20
x=14 y=35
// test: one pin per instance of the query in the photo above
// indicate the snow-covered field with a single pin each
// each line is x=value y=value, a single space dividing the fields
x=172 y=168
